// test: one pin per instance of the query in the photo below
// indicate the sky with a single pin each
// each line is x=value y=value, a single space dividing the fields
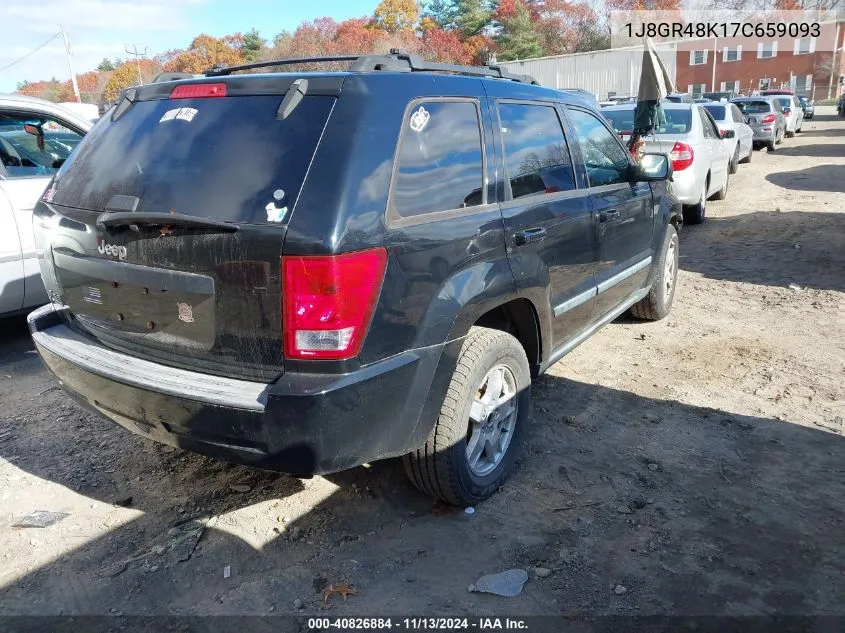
x=104 y=28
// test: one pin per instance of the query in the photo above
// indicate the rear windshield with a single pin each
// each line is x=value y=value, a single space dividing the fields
x=230 y=159
x=753 y=107
x=718 y=112
x=785 y=103
x=677 y=120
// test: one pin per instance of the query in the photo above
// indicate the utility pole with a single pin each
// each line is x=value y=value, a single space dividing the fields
x=834 y=67
x=70 y=65
x=134 y=52
x=713 y=77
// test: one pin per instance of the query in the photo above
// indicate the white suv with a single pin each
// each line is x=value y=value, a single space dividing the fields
x=36 y=137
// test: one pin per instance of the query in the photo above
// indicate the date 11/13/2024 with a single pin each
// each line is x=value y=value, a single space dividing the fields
x=680 y=30
x=417 y=624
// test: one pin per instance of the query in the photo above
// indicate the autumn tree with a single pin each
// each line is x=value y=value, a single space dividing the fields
x=127 y=75
x=397 y=15
x=205 y=52
x=517 y=37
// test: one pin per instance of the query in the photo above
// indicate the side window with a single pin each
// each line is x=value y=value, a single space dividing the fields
x=536 y=153
x=738 y=118
x=707 y=126
x=776 y=106
x=439 y=164
x=34 y=145
x=604 y=157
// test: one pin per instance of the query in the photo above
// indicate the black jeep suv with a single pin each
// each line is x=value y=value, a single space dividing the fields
x=309 y=271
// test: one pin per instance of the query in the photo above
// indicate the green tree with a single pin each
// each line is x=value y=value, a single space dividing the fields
x=253 y=45
x=106 y=65
x=517 y=38
x=472 y=16
x=443 y=12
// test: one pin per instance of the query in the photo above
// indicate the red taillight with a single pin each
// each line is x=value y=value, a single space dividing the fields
x=328 y=302
x=769 y=118
x=195 y=91
x=681 y=156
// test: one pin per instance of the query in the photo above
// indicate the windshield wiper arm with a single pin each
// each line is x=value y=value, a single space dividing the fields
x=129 y=218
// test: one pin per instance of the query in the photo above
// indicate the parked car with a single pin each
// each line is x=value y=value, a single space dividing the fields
x=840 y=106
x=728 y=117
x=720 y=96
x=702 y=100
x=793 y=113
x=677 y=97
x=313 y=274
x=700 y=160
x=765 y=116
x=808 y=106
x=36 y=137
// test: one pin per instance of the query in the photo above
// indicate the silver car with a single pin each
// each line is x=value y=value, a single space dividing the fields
x=36 y=137
x=694 y=144
x=793 y=113
x=728 y=117
x=765 y=116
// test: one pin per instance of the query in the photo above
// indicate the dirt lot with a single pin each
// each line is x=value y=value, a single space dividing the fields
x=698 y=462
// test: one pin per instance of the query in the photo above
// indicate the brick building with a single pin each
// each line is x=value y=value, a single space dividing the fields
x=745 y=65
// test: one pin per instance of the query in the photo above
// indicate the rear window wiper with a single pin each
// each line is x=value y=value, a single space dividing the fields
x=111 y=219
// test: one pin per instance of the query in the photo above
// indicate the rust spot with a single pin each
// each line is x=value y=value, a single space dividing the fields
x=150 y=325
x=120 y=317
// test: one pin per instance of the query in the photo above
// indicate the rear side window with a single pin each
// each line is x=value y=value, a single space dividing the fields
x=231 y=159
x=439 y=167
x=707 y=125
x=536 y=153
x=737 y=115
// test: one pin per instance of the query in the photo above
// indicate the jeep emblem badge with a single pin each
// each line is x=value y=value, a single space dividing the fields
x=112 y=250
x=186 y=312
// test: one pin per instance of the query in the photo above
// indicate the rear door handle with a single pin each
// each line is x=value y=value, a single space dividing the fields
x=530 y=235
x=610 y=214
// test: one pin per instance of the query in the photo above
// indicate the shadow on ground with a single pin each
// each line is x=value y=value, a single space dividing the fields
x=694 y=510
x=744 y=248
x=816 y=179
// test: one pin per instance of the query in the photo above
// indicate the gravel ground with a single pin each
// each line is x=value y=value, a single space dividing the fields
x=693 y=466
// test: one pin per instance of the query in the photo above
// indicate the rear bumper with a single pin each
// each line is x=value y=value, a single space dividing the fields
x=303 y=424
x=764 y=134
x=686 y=186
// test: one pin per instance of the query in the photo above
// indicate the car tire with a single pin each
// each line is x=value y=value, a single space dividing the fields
x=770 y=146
x=443 y=468
x=658 y=302
x=789 y=134
x=747 y=159
x=723 y=192
x=733 y=166
x=694 y=213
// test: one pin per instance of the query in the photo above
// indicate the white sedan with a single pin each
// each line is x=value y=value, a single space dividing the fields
x=694 y=144
x=36 y=137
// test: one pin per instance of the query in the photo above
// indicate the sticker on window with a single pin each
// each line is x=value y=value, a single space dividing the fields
x=420 y=119
x=274 y=213
x=184 y=114
x=186 y=312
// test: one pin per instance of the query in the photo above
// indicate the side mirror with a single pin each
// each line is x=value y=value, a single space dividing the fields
x=727 y=134
x=36 y=131
x=655 y=167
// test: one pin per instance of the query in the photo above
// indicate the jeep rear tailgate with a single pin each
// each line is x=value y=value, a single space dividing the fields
x=163 y=232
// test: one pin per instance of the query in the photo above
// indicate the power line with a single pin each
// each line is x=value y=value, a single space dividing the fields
x=35 y=50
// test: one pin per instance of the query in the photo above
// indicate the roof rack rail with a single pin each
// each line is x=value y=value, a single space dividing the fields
x=396 y=60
